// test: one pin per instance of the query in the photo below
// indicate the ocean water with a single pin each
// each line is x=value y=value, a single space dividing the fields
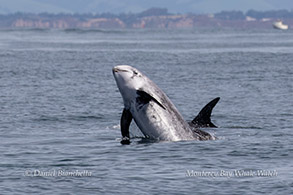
x=60 y=110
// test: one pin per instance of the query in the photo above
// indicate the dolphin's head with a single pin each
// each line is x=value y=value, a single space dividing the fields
x=128 y=80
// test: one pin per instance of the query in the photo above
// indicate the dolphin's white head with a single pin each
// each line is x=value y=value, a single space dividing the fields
x=128 y=80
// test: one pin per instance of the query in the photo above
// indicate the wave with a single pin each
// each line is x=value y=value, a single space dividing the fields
x=85 y=30
x=243 y=127
x=25 y=30
x=61 y=118
x=67 y=30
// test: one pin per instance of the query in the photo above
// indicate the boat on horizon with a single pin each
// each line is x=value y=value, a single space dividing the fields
x=280 y=25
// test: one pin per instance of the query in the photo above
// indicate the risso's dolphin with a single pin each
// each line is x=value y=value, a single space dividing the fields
x=153 y=112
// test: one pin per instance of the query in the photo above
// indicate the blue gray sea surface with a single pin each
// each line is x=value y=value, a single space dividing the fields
x=60 y=110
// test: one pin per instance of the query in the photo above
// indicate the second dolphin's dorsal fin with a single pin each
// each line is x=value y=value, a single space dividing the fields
x=203 y=119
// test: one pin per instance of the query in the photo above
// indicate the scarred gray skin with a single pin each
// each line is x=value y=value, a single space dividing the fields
x=157 y=118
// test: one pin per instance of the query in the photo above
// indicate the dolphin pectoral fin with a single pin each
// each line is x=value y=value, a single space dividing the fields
x=203 y=119
x=125 y=121
x=145 y=98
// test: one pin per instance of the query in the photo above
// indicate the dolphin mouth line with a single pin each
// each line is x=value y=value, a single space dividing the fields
x=118 y=70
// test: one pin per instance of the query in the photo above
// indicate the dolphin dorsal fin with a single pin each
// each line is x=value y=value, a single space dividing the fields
x=203 y=119
x=145 y=98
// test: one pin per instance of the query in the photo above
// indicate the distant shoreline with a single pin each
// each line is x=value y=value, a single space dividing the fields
x=152 y=18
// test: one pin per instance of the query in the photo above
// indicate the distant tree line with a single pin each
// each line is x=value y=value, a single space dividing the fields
x=149 y=12
x=130 y=17
x=270 y=14
x=238 y=15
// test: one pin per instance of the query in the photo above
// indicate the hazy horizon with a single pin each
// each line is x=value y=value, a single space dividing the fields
x=135 y=6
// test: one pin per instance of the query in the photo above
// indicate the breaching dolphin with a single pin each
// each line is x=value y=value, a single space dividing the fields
x=153 y=112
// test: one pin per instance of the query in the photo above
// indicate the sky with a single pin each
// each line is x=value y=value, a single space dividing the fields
x=135 y=6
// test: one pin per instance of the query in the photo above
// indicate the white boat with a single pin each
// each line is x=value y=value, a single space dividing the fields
x=280 y=25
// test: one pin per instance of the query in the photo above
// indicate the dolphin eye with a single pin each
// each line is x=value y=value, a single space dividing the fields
x=135 y=73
